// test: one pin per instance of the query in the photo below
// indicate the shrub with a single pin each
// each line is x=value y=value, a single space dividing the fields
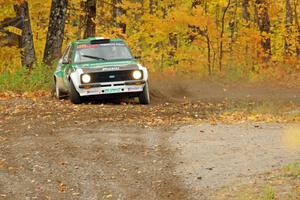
x=40 y=77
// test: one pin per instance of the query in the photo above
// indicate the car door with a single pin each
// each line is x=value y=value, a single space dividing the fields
x=60 y=70
x=66 y=64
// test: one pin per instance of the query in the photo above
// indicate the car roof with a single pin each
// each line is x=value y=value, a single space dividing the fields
x=89 y=40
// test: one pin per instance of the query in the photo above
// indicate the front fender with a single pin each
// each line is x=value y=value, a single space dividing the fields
x=145 y=71
x=75 y=78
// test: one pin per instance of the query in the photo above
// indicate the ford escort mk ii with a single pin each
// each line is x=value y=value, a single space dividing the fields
x=100 y=67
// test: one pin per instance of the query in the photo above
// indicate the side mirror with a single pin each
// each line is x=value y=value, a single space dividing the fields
x=65 y=61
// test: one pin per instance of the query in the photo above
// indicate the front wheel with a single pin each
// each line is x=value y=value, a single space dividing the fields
x=144 y=97
x=74 y=95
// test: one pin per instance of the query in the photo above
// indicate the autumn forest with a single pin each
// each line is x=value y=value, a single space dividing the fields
x=204 y=104
x=252 y=39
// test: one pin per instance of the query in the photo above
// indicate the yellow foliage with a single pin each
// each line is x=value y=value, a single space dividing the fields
x=171 y=35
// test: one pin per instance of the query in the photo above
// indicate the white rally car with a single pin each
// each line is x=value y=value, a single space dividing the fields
x=100 y=67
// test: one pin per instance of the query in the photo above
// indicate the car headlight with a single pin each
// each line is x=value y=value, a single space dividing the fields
x=137 y=74
x=86 y=78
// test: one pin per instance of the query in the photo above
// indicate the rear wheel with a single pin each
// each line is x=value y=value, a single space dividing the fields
x=144 y=97
x=74 y=95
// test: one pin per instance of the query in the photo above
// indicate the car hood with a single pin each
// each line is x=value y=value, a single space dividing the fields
x=110 y=64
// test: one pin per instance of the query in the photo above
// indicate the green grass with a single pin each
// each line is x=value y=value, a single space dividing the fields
x=268 y=193
x=292 y=170
x=40 y=77
x=266 y=107
x=282 y=184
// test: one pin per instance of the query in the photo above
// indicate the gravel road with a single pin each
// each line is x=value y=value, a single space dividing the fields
x=177 y=148
x=119 y=161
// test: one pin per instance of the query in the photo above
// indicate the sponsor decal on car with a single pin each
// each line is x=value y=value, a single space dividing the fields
x=133 y=89
x=91 y=91
x=110 y=68
x=87 y=46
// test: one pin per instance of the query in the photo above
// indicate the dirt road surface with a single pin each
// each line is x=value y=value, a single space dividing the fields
x=52 y=149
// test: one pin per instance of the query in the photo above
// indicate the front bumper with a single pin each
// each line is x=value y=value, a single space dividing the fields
x=111 y=88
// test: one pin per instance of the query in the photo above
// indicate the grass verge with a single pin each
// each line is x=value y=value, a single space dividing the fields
x=24 y=80
x=282 y=184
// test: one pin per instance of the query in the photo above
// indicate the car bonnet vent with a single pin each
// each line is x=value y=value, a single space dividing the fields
x=101 y=41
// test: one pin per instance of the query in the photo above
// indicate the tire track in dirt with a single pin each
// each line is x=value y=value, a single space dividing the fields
x=104 y=161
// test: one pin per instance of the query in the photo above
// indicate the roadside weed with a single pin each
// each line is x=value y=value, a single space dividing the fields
x=268 y=193
x=23 y=80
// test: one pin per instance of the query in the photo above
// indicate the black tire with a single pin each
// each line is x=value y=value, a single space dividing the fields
x=74 y=95
x=144 y=97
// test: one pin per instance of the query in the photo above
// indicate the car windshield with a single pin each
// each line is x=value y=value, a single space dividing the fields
x=94 y=52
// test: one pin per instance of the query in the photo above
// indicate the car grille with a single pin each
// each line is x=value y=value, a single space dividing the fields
x=113 y=76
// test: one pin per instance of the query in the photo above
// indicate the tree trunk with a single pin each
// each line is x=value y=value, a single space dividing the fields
x=297 y=28
x=208 y=54
x=196 y=3
x=222 y=35
x=90 y=15
x=288 y=28
x=204 y=33
x=246 y=17
x=255 y=14
x=264 y=27
x=246 y=13
x=233 y=27
x=173 y=42
x=81 y=20
x=56 y=30
x=117 y=12
x=152 y=6
x=26 y=41
x=101 y=11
